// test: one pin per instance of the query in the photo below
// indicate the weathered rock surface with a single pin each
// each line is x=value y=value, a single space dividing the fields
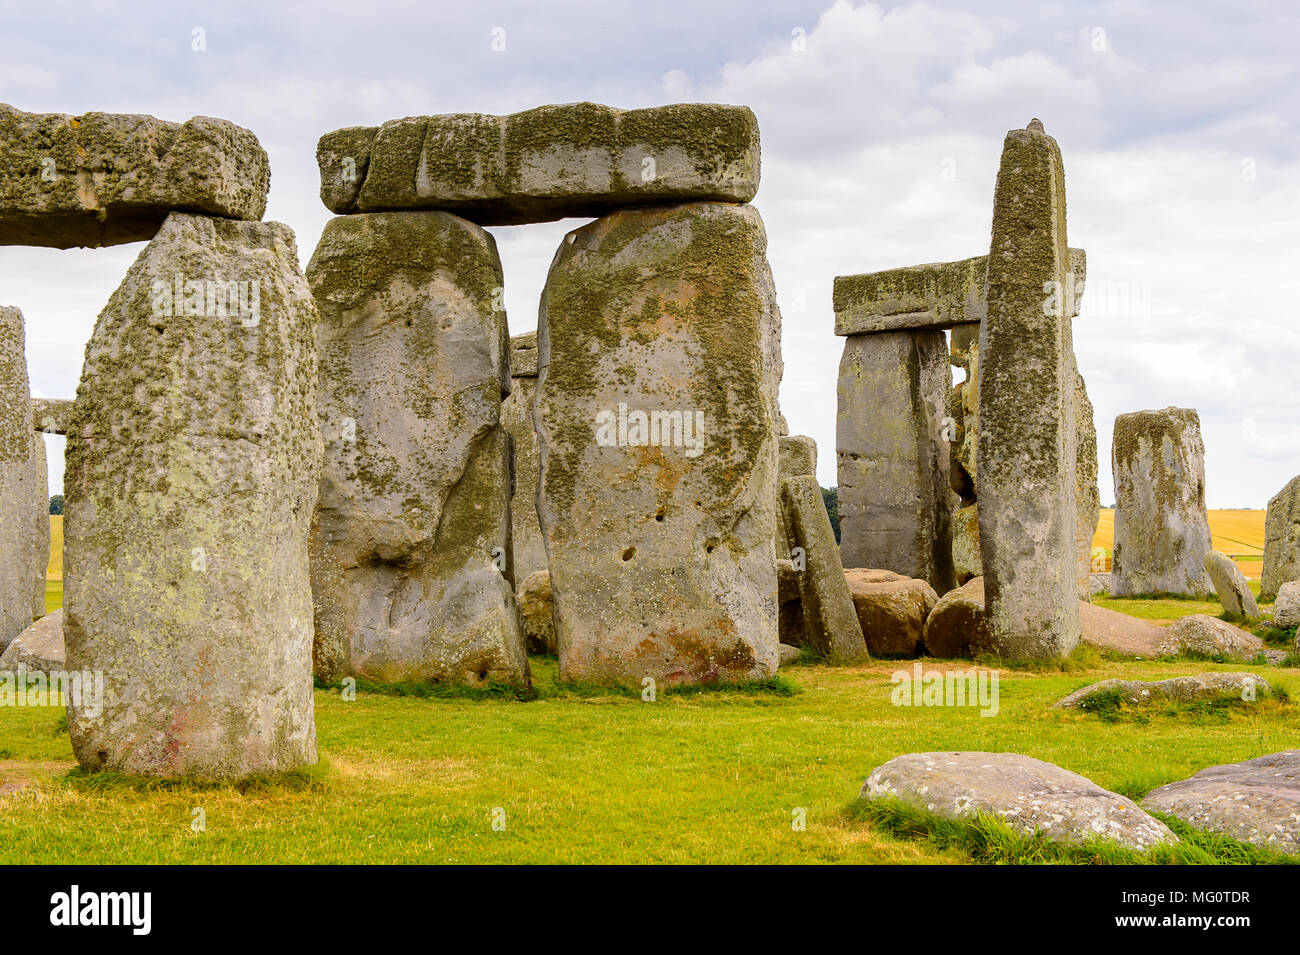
x=966 y=544
x=17 y=545
x=1099 y=584
x=1286 y=608
x=891 y=458
x=39 y=647
x=788 y=654
x=1231 y=585
x=1162 y=530
x=1257 y=801
x=795 y=455
x=936 y=295
x=1281 y=540
x=790 y=606
x=578 y=159
x=38 y=484
x=1027 y=454
x=535 y=610
x=1087 y=496
x=193 y=460
x=1028 y=794
x=50 y=415
x=891 y=609
x=1185 y=689
x=659 y=359
x=1200 y=633
x=107 y=178
x=411 y=537
x=830 y=620
x=517 y=418
x=955 y=627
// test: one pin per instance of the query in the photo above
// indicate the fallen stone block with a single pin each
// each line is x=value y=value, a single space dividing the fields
x=1209 y=636
x=1030 y=795
x=1184 y=689
x=39 y=647
x=891 y=610
x=1256 y=801
x=578 y=159
x=107 y=178
x=1231 y=585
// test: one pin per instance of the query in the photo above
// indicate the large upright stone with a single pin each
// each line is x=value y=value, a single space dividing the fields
x=1162 y=530
x=193 y=459
x=39 y=511
x=830 y=620
x=891 y=457
x=410 y=542
x=517 y=418
x=1087 y=495
x=1027 y=443
x=17 y=546
x=578 y=159
x=108 y=178
x=796 y=455
x=1281 y=540
x=659 y=355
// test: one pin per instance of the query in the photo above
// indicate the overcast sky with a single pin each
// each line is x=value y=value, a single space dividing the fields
x=881 y=126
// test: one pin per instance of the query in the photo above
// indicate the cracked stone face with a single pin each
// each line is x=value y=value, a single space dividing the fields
x=410 y=543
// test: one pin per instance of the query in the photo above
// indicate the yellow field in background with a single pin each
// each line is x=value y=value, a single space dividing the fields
x=55 y=571
x=1238 y=533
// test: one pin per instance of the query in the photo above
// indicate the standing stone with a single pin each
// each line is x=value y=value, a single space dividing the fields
x=193 y=459
x=1087 y=496
x=830 y=620
x=107 y=178
x=1231 y=585
x=410 y=542
x=659 y=356
x=796 y=455
x=1027 y=442
x=16 y=437
x=966 y=563
x=891 y=457
x=39 y=486
x=1281 y=540
x=1162 y=530
x=517 y=418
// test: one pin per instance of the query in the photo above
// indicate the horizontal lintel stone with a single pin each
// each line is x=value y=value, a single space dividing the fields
x=936 y=295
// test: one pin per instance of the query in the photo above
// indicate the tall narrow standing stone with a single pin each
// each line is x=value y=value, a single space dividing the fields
x=830 y=621
x=193 y=459
x=1027 y=443
x=39 y=489
x=517 y=418
x=1162 y=530
x=891 y=457
x=411 y=538
x=1281 y=540
x=1087 y=496
x=16 y=437
x=660 y=360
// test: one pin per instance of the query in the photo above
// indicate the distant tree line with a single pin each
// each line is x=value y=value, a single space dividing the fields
x=831 y=498
x=56 y=504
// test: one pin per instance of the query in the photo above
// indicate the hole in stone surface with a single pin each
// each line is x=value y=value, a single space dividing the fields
x=629 y=553
x=708 y=548
x=660 y=516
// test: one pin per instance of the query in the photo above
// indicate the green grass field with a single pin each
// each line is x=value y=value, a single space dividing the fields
x=578 y=777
